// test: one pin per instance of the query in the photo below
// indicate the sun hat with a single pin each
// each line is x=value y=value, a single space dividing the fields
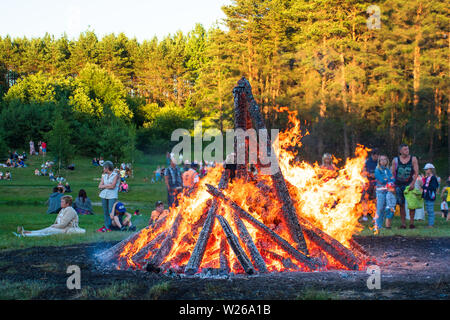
x=428 y=166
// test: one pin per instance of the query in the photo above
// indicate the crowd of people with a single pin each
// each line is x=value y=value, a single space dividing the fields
x=392 y=184
x=402 y=184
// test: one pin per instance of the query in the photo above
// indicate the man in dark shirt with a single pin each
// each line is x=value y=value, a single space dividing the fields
x=369 y=168
x=174 y=182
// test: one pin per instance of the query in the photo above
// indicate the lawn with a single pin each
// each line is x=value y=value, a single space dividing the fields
x=22 y=202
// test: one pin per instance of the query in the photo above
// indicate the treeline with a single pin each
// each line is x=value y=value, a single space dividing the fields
x=351 y=78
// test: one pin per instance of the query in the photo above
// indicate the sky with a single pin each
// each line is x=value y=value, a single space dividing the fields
x=142 y=19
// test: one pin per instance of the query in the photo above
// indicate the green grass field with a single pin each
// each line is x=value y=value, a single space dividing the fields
x=22 y=202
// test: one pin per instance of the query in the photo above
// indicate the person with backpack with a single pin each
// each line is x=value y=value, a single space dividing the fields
x=430 y=187
x=405 y=169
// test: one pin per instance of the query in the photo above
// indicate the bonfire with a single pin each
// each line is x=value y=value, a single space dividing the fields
x=299 y=218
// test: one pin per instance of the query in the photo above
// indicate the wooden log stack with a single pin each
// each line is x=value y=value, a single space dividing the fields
x=251 y=257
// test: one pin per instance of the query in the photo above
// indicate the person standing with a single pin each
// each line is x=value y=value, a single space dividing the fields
x=109 y=185
x=405 y=169
x=383 y=177
x=190 y=177
x=31 y=148
x=430 y=187
x=174 y=182
x=369 y=168
x=44 y=148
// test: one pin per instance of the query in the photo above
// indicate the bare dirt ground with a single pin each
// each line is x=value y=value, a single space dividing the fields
x=411 y=268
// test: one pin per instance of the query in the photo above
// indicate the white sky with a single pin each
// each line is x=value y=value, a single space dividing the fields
x=142 y=19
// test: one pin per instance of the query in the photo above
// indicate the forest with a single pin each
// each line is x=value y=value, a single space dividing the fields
x=373 y=73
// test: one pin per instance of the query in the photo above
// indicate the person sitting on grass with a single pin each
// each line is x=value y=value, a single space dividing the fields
x=54 y=201
x=158 y=214
x=60 y=179
x=67 y=188
x=51 y=176
x=8 y=176
x=117 y=215
x=36 y=172
x=1 y=175
x=123 y=186
x=66 y=222
x=83 y=204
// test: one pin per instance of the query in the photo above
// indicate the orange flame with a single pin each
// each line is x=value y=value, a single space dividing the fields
x=330 y=200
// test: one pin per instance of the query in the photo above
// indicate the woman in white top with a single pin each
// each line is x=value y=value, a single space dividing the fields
x=66 y=222
x=109 y=185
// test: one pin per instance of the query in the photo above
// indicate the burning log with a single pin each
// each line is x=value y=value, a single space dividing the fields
x=233 y=241
x=330 y=245
x=256 y=257
x=224 y=254
x=282 y=192
x=140 y=256
x=200 y=247
x=176 y=261
x=167 y=244
x=309 y=263
x=287 y=263
x=357 y=247
x=114 y=251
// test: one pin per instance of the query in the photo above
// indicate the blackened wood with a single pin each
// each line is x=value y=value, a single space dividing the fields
x=306 y=261
x=279 y=184
x=167 y=243
x=224 y=255
x=145 y=250
x=175 y=261
x=233 y=241
x=286 y=262
x=200 y=246
x=330 y=245
x=241 y=121
x=357 y=247
x=256 y=257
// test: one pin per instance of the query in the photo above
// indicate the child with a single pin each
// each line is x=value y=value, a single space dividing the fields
x=117 y=215
x=391 y=202
x=8 y=176
x=414 y=199
x=158 y=214
x=444 y=209
x=51 y=176
x=430 y=187
x=36 y=172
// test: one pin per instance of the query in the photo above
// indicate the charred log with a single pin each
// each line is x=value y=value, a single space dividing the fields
x=256 y=257
x=167 y=244
x=233 y=241
x=306 y=261
x=199 y=250
x=224 y=254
